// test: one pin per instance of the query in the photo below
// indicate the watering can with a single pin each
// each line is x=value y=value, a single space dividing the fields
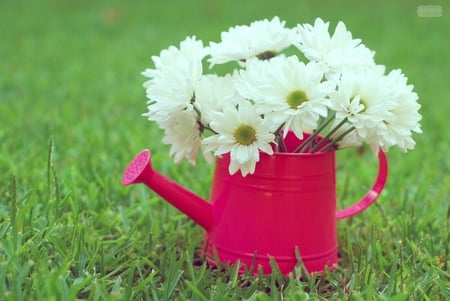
x=285 y=208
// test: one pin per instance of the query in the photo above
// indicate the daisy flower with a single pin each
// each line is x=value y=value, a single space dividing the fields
x=338 y=53
x=259 y=39
x=339 y=95
x=397 y=127
x=172 y=83
x=185 y=58
x=183 y=134
x=361 y=99
x=243 y=133
x=383 y=109
x=212 y=93
x=287 y=92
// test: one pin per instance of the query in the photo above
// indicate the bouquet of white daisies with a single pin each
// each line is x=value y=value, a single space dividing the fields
x=330 y=87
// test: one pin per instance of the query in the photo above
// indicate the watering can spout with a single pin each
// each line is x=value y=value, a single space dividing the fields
x=140 y=171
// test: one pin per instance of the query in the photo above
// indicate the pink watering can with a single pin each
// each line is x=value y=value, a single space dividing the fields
x=289 y=203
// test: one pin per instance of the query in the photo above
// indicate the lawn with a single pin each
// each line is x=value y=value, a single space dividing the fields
x=71 y=100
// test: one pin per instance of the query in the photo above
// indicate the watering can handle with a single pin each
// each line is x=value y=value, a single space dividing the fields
x=373 y=193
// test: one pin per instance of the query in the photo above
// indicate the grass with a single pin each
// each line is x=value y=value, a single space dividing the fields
x=70 y=105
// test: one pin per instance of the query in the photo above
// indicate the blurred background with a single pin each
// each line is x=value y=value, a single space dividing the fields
x=71 y=71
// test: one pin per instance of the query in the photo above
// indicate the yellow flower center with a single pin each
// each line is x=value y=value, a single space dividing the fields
x=245 y=134
x=296 y=98
x=364 y=103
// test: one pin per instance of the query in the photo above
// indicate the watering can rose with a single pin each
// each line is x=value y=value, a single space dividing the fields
x=339 y=94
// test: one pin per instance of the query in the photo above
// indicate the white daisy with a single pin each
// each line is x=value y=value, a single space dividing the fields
x=243 y=133
x=183 y=134
x=244 y=113
x=212 y=93
x=362 y=100
x=287 y=92
x=185 y=58
x=338 y=53
x=172 y=83
x=260 y=39
x=397 y=127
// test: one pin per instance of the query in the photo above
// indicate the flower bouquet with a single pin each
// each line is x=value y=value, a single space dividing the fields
x=330 y=87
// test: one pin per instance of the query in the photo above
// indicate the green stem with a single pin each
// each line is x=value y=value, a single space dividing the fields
x=280 y=145
x=302 y=147
x=325 y=139
x=339 y=138
x=196 y=110
x=201 y=126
